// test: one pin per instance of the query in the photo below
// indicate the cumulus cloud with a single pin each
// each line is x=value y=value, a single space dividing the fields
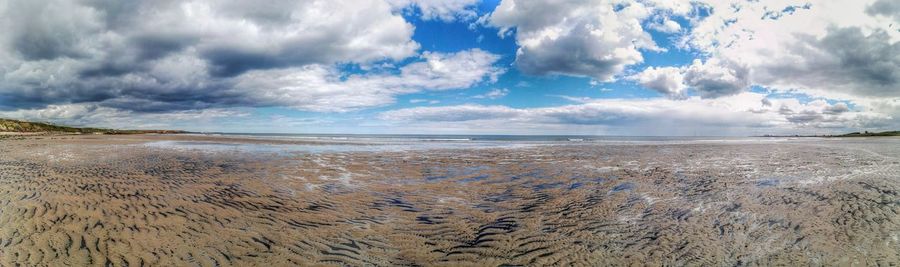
x=494 y=93
x=174 y=56
x=710 y=79
x=714 y=78
x=444 y=10
x=886 y=8
x=840 y=49
x=837 y=108
x=232 y=37
x=91 y=115
x=835 y=49
x=668 y=81
x=321 y=88
x=88 y=60
x=665 y=25
x=583 y=38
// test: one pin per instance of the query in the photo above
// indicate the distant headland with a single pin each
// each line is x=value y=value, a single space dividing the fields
x=853 y=134
x=17 y=126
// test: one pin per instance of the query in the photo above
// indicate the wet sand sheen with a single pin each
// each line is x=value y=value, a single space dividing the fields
x=102 y=200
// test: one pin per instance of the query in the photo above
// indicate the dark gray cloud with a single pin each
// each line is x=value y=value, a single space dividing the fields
x=43 y=31
x=581 y=38
x=231 y=62
x=155 y=46
x=888 y=8
x=159 y=56
x=845 y=60
x=714 y=78
x=573 y=54
x=837 y=108
x=590 y=116
x=871 y=60
x=804 y=117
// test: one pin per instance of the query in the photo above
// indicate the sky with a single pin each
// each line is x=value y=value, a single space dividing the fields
x=580 y=67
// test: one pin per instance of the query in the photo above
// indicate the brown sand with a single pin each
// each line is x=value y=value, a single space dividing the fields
x=98 y=200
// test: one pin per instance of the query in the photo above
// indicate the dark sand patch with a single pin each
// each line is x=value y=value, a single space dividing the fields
x=97 y=200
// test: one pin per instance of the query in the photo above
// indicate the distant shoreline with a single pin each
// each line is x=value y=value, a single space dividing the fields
x=10 y=127
x=111 y=132
x=853 y=134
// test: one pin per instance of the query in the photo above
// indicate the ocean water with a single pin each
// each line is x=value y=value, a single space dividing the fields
x=319 y=143
x=488 y=139
x=508 y=138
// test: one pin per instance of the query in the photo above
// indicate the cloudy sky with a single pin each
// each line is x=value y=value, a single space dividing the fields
x=654 y=67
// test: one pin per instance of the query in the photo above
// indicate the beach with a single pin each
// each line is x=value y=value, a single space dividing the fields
x=177 y=200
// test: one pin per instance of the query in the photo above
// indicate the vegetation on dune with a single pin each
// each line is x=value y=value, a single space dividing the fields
x=855 y=134
x=7 y=125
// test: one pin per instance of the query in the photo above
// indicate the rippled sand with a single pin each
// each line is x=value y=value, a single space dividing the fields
x=98 y=200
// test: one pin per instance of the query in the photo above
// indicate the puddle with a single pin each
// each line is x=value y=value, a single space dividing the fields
x=475 y=179
x=443 y=173
x=768 y=182
x=628 y=186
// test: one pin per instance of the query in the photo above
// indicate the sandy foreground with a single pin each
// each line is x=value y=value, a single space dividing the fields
x=115 y=200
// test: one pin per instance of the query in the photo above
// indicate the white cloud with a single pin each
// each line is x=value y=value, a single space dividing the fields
x=665 y=25
x=189 y=56
x=89 y=61
x=668 y=81
x=838 y=49
x=673 y=7
x=715 y=78
x=78 y=62
x=494 y=93
x=91 y=115
x=324 y=89
x=179 y=55
x=417 y=101
x=445 y=10
x=583 y=38
x=745 y=111
x=710 y=79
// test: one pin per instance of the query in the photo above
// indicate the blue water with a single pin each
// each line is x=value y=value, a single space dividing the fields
x=318 y=143
x=458 y=138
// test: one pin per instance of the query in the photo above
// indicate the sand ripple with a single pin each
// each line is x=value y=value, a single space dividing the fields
x=103 y=202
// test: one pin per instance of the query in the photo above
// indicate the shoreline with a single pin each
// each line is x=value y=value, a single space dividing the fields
x=279 y=138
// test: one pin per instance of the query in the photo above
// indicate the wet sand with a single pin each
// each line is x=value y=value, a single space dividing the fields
x=99 y=200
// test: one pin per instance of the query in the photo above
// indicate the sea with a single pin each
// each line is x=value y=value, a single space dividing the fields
x=317 y=143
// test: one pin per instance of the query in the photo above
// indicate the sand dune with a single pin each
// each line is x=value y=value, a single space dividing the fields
x=99 y=200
